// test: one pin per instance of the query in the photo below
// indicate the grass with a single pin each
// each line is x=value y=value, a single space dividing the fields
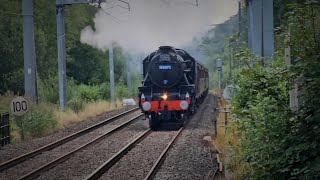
x=5 y=101
x=219 y=140
x=68 y=117
x=45 y=118
x=228 y=144
x=238 y=168
x=37 y=122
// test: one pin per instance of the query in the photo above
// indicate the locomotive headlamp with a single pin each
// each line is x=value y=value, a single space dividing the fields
x=165 y=96
x=184 y=105
x=187 y=96
x=143 y=98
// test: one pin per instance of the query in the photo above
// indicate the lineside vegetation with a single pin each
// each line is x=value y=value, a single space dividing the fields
x=276 y=141
x=87 y=69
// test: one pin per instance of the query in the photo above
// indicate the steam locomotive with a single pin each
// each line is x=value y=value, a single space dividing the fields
x=173 y=86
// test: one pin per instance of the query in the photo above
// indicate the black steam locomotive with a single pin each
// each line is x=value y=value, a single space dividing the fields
x=173 y=86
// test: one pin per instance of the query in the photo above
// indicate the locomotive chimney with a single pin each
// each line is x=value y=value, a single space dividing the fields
x=165 y=49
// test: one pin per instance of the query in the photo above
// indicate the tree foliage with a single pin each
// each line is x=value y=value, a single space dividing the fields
x=279 y=141
x=261 y=106
x=88 y=65
x=11 y=47
x=85 y=64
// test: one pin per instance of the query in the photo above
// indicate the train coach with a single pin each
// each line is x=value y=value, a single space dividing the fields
x=173 y=86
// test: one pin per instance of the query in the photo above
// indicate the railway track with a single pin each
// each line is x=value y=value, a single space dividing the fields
x=157 y=165
x=114 y=157
x=28 y=156
x=126 y=163
x=64 y=157
x=102 y=169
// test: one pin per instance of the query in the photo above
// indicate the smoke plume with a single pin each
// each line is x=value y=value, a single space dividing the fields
x=151 y=23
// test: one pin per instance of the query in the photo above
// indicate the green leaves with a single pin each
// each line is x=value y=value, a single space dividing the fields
x=279 y=142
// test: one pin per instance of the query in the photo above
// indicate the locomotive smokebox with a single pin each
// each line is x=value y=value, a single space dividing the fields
x=166 y=67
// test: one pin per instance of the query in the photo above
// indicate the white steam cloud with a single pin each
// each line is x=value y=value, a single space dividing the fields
x=152 y=23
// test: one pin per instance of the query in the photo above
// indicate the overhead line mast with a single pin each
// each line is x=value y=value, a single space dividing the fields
x=30 y=80
x=61 y=45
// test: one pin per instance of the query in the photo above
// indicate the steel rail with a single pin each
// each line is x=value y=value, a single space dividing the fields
x=159 y=161
x=64 y=157
x=24 y=157
x=212 y=173
x=215 y=173
x=115 y=158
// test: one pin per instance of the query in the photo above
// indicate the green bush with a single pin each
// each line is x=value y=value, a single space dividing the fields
x=38 y=122
x=48 y=90
x=71 y=88
x=87 y=93
x=105 y=90
x=135 y=83
x=277 y=141
x=122 y=91
x=76 y=105
x=261 y=106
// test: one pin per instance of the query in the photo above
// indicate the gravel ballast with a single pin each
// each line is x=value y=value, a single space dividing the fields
x=137 y=163
x=189 y=158
x=14 y=150
x=87 y=160
x=47 y=156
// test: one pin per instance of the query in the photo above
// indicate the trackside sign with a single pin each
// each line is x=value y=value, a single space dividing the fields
x=19 y=106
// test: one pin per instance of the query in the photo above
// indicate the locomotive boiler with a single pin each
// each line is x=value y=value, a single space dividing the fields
x=173 y=86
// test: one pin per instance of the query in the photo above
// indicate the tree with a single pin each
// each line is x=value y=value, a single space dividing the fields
x=87 y=65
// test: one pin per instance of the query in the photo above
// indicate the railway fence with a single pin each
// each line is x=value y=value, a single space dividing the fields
x=4 y=129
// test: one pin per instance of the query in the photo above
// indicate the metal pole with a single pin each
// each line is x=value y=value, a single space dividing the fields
x=30 y=84
x=262 y=34
x=111 y=74
x=261 y=28
x=141 y=67
x=240 y=16
x=61 y=45
x=219 y=82
x=250 y=25
x=61 y=56
x=128 y=73
x=268 y=30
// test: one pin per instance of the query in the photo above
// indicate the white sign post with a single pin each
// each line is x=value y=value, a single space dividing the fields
x=19 y=106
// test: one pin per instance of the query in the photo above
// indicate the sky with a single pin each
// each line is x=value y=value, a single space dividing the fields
x=152 y=23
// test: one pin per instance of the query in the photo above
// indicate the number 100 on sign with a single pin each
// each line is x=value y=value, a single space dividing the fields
x=19 y=106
